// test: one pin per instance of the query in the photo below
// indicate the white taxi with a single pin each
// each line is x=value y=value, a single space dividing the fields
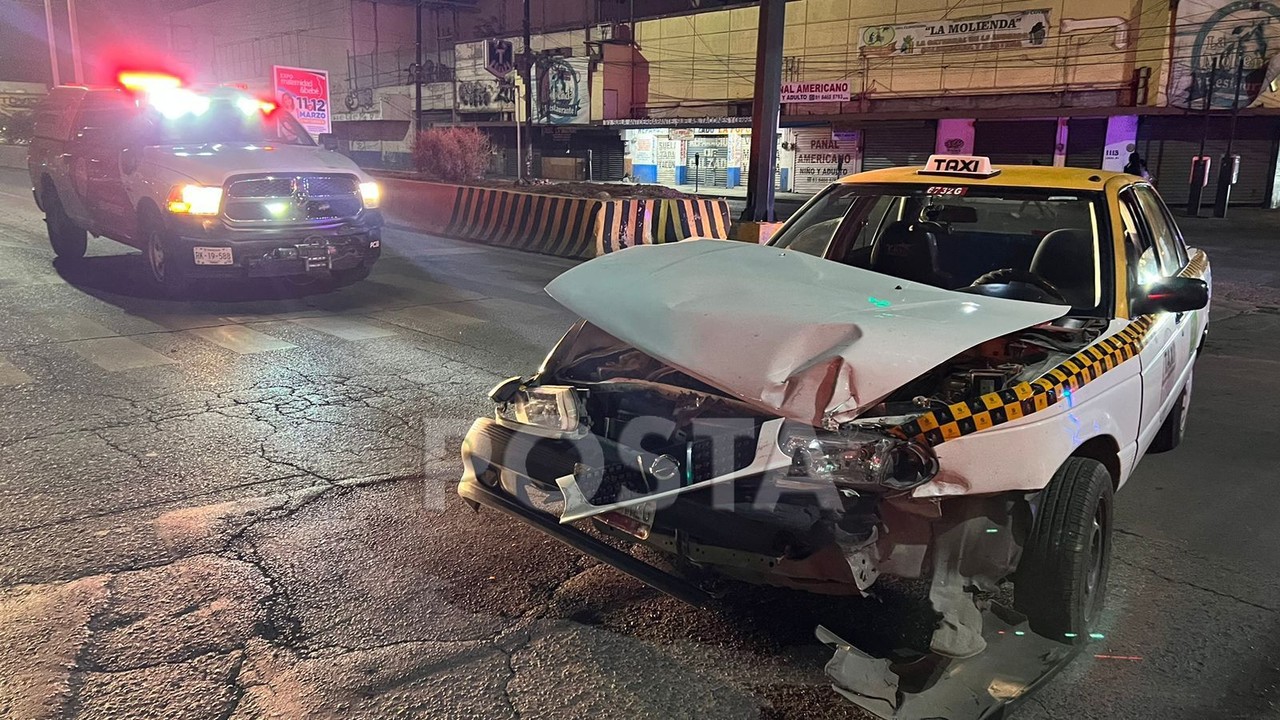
x=940 y=372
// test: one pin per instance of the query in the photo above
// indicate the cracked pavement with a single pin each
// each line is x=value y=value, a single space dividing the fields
x=241 y=506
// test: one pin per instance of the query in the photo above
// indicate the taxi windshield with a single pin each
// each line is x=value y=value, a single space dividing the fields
x=1022 y=243
x=226 y=122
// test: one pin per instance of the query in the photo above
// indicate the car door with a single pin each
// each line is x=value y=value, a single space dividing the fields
x=1155 y=254
x=102 y=132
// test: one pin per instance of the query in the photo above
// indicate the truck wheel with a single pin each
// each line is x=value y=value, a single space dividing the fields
x=1062 y=578
x=350 y=275
x=165 y=274
x=1170 y=434
x=68 y=240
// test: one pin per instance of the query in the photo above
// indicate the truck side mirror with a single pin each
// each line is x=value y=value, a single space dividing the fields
x=1174 y=294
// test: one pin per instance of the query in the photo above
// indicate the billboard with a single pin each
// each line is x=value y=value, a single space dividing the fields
x=562 y=96
x=1236 y=37
x=305 y=95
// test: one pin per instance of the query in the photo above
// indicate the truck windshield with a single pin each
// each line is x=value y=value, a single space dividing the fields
x=967 y=238
x=225 y=122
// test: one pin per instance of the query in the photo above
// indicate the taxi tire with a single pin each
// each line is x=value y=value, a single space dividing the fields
x=1061 y=581
x=1174 y=428
x=68 y=240
x=168 y=278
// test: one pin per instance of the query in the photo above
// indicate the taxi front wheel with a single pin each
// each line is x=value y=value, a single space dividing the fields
x=69 y=241
x=1062 y=578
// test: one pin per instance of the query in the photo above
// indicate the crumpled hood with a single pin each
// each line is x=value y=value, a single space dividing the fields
x=212 y=164
x=794 y=335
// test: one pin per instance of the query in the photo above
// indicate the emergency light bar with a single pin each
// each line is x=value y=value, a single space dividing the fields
x=959 y=165
x=147 y=81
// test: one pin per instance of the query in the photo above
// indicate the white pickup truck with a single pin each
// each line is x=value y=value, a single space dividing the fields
x=215 y=184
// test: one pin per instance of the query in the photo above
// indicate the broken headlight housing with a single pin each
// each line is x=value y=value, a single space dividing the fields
x=552 y=408
x=858 y=458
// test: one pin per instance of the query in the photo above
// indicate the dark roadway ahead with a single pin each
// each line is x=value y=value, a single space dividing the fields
x=241 y=506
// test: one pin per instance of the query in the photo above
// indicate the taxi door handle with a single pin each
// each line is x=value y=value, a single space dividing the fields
x=1177 y=318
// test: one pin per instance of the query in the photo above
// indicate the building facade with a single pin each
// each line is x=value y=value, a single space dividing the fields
x=663 y=93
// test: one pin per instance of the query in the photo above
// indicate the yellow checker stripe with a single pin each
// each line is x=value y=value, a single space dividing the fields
x=957 y=420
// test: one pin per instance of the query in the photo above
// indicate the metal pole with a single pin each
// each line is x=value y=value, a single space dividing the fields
x=1200 y=169
x=527 y=67
x=76 y=66
x=53 y=42
x=417 y=74
x=764 y=112
x=519 y=145
x=1228 y=171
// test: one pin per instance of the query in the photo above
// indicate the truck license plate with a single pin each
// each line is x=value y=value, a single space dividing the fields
x=213 y=256
x=636 y=520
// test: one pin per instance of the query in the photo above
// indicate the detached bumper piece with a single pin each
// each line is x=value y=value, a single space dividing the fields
x=983 y=687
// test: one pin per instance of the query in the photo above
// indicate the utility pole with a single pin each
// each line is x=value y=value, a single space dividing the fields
x=764 y=112
x=526 y=70
x=1230 y=168
x=76 y=65
x=1200 y=166
x=417 y=69
x=53 y=42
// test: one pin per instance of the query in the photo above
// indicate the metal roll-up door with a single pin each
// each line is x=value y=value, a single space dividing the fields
x=820 y=159
x=897 y=144
x=713 y=158
x=1016 y=142
x=1086 y=139
x=1168 y=144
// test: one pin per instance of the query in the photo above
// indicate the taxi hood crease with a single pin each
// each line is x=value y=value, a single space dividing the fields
x=791 y=334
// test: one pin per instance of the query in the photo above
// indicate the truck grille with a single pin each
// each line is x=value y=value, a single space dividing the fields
x=292 y=198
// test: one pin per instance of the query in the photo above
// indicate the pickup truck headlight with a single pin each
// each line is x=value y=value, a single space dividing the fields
x=195 y=200
x=857 y=458
x=551 y=407
x=371 y=194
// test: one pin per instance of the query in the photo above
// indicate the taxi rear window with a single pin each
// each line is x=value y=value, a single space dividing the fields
x=953 y=236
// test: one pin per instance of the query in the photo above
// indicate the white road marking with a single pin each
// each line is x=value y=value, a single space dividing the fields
x=11 y=375
x=74 y=327
x=344 y=328
x=119 y=353
x=430 y=318
x=240 y=339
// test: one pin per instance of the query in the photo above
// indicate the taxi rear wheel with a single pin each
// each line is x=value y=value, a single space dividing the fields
x=69 y=241
x=1062 y=578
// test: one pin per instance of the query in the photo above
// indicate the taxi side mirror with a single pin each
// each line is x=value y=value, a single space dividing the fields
x=1175 y=294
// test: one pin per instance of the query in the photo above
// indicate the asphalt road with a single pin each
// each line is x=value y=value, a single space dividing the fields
x=241 y=506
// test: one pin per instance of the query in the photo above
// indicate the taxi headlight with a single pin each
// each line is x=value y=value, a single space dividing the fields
x=857 y=458
x=553 y=407
x=195 y=200
x=371 y=194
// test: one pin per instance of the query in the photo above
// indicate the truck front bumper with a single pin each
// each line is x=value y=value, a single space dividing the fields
x=216 y=251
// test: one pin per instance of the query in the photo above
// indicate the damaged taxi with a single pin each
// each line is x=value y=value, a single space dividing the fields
x=943 y=372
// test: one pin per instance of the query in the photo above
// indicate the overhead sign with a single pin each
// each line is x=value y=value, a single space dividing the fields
x=304 y=94
x=1028 y=28
x=816 y=92
x=499 y=57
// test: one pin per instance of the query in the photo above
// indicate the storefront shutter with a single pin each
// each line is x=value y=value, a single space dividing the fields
x=1016 y=142
x=897 y=144
x=1169 y=143
x=1086 y=139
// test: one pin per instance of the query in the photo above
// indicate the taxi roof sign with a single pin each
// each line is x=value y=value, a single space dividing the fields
x=959 y=165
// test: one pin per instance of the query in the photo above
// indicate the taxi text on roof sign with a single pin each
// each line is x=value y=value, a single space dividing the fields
x=965 y=165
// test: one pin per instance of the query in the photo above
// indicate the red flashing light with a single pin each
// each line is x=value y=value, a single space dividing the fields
x=140 y=81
